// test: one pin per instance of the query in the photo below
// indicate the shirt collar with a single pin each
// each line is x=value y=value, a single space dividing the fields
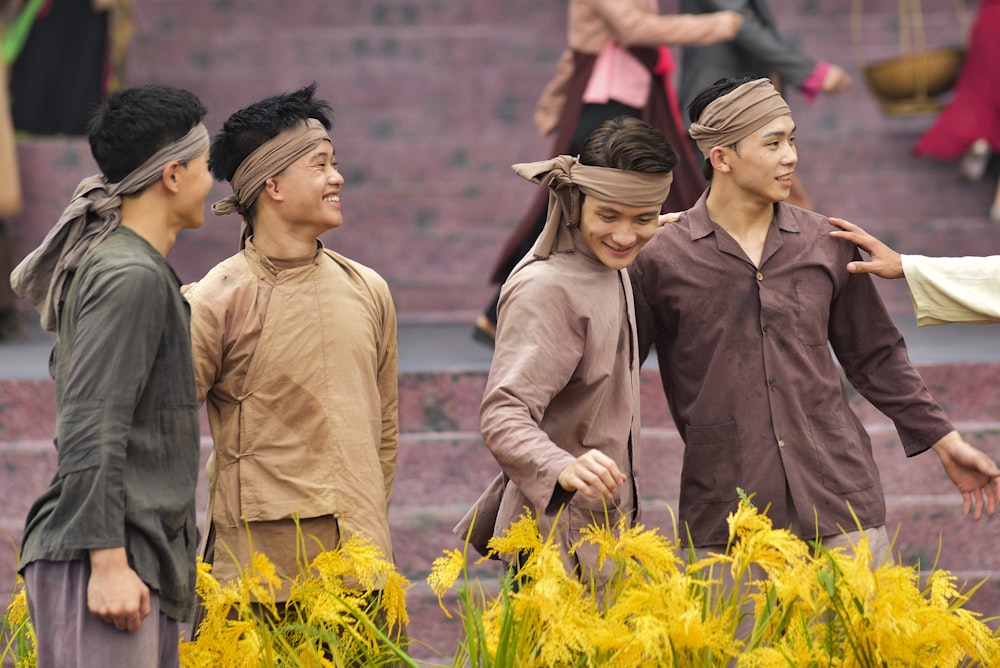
x=702 y=225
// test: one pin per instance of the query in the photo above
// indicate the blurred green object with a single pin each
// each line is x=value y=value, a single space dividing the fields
x=13 y=40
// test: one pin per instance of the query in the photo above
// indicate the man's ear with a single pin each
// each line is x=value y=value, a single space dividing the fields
x=171 y=176
x=272 y=190
x=720 y=156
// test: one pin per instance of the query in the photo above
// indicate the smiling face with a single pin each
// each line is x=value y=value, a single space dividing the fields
x=764 y=162
x=614 y=232
x=310 y=190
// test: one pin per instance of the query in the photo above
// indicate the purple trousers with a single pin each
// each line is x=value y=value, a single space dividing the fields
x=69 y=636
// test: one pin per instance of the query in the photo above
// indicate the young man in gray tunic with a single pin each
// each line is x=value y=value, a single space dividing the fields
x=108 y=555
x=561 y=408
x=742 y=298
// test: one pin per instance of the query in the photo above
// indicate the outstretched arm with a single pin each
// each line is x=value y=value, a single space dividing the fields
x=975 y=474
x=885 y=262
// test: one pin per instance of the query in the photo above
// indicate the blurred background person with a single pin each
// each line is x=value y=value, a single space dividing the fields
x=68 y=63
x=10 y=182
x=617 y=64
x=758 y=50
x=969 y=127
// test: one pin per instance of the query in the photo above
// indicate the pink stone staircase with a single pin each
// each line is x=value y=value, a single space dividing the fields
x=432 y=103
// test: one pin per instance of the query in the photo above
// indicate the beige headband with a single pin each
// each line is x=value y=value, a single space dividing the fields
x=568 y=178
x=265 y=161
x=92 y=214
x=738 y=114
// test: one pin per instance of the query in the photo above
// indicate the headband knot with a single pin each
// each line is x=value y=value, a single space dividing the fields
x=568 y=178
x=92 y=214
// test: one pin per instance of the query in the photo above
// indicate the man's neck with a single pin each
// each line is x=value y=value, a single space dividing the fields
x=746 y=219
x=146 y=217
x=276 y=241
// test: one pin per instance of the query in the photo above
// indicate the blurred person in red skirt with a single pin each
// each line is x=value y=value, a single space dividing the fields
x=969 y=127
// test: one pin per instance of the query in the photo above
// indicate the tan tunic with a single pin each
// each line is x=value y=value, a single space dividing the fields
x=564 y=379
x=298 y=369
x=954 y=289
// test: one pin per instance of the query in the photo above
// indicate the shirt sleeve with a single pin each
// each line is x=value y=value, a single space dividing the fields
x=644 y=319
x=388 y=388
x=207 y=336
x=766 y=45
x=114 y=345
x=813 y=85
x=633 y=26
x=953 y=289
x=875 y=361
x=539 y=344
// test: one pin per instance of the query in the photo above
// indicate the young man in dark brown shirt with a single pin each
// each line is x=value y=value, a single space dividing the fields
x=743 y=299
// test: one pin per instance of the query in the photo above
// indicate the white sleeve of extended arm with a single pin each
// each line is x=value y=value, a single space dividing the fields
x=954 y=289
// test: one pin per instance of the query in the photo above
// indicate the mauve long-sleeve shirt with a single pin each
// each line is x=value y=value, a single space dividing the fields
x=564 y=380
x=744 y=357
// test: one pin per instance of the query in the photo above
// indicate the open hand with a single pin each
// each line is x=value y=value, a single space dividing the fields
x=975 y=474
x=885 y=262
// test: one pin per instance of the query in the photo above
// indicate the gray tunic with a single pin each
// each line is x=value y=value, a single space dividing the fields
x=127 y=431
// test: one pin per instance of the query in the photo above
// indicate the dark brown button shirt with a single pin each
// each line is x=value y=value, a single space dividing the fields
x=127 y=431
x=744 y=357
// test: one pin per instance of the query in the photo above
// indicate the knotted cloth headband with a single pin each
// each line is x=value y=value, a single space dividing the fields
x=738 y=114
x=268 y=159
x=92 y=214
x=568 y=178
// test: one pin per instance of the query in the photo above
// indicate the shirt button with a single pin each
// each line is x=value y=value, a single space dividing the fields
x=781 y=444
x=772 y=382
x=765 y=328
x=760 y=276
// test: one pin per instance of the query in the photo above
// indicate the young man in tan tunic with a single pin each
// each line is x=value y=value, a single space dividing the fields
x=295 y=353
x=561 y=408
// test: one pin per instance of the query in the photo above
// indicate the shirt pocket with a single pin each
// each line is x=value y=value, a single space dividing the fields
x=845 y=464
x=712 y=460
x=812 y=312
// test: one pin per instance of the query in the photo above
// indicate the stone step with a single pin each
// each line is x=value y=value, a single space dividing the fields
x=443 y=465
x=435 y=402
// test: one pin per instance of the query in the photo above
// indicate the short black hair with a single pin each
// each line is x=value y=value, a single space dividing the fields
x=251 y=126
x=630 y=144
x=132 y=124
x=708 y=95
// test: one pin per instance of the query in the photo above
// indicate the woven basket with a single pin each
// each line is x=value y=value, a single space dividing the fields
x=908 y=83
x=911 y=82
